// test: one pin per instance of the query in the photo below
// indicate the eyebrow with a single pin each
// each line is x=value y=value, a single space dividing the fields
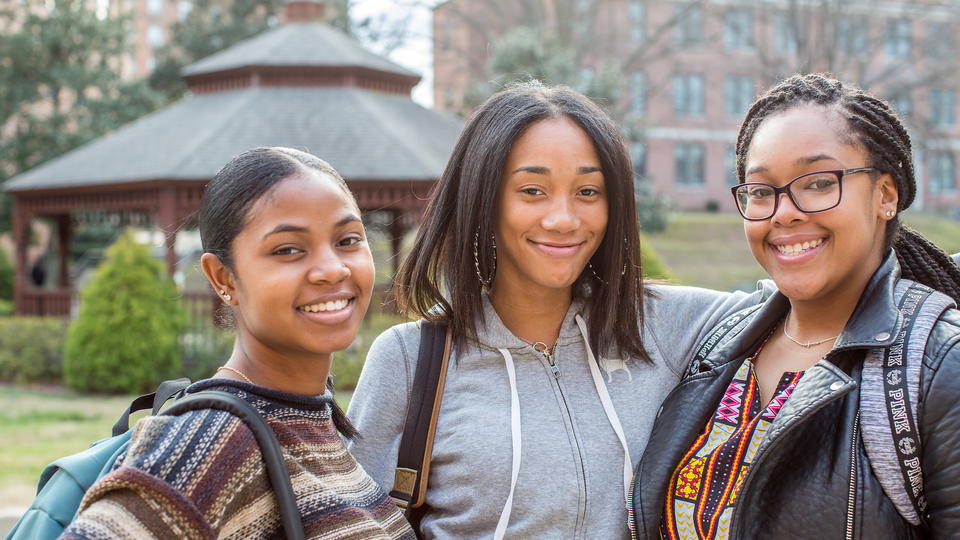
x=537 y=169
x=806 y=160
x=284 y=227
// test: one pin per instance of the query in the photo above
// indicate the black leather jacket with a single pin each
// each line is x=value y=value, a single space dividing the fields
x=811 y=469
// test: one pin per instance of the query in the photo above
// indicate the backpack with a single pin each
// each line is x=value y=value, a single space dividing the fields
x=889 y=394
x=416 y=444
x=64 y=482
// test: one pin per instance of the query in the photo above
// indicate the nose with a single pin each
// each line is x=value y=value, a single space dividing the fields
x=327 y=267
x=561 y=216
x=787 y=212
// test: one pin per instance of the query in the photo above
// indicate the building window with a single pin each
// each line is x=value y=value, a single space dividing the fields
x=942 y=106
x=689 y=25
x=738 y=28
x=942 y=173
x=688 y=159
x=637 y=17
x=852 y=35
x=154 y=8
x=940 y=42
x=155 y=36
x=638 y=93
x=737 y=95
x=901 y=102
x=730 y=163
x=638 y=154
x=897 y=40
x=687 y=95
x=184 y=7
x=786 y=33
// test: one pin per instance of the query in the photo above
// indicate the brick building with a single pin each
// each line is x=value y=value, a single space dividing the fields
x=688 y=70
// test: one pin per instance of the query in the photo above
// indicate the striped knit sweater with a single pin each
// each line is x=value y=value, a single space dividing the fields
x=200 y=475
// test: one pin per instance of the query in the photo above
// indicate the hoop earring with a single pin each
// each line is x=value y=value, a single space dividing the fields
x=484 y=283
x=594 y=272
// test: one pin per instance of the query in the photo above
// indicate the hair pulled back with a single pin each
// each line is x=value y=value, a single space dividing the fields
x=439 y=279
x=242 y=182
x=875 y=126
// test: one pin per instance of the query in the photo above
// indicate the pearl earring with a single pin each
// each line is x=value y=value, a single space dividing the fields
x=226 y=296
x=890 y=213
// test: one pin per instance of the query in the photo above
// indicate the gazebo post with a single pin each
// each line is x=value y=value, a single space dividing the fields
x=167 y=220
x=21 y=239
x=64 y=232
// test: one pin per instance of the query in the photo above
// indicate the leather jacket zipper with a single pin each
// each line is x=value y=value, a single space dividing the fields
x=852 y=498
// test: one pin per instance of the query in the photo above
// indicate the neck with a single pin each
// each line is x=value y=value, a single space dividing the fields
x=814 y=320
x=297 y=374
x=532 y=315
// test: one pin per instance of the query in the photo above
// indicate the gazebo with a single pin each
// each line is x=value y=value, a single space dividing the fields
x=302 y=84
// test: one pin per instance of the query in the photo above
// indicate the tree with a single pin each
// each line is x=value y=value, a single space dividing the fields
x=126 y=335
x=59 y=83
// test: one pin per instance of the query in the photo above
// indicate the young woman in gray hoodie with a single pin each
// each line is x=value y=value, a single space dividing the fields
x=529 y=253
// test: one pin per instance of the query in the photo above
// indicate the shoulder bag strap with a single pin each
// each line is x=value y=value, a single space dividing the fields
x=269 y=447
x=165 y=391
x=416 y=444
x=719 y=332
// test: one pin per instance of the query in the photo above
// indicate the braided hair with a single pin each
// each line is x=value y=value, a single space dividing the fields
x=875 y=126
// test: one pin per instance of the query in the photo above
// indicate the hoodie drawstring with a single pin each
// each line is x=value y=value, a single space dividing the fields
x=516 y=444
x=609 y=410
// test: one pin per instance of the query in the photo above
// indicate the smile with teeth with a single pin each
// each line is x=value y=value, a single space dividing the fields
x=333 y=305
x=798 y=248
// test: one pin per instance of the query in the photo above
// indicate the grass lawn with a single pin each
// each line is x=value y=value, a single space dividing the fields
x=709 y=250
x=38 y=426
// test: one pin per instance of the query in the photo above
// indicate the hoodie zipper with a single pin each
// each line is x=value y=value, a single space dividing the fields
x=542 y=348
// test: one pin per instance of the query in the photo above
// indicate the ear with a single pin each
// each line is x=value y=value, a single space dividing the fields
x=887 y=197
x=220 y=277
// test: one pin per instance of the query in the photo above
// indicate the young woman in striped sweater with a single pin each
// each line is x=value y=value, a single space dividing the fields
x=285 y=250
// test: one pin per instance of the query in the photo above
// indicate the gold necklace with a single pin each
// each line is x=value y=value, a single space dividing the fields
x=809 y=343
x=237 y=371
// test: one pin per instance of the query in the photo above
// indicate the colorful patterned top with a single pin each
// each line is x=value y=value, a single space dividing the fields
x=703 y=489
x=200 y=475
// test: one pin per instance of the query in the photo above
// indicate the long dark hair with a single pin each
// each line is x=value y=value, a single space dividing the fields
x=438 y=280
x=875 y=126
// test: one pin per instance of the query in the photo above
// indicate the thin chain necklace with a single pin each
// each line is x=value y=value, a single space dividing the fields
x=808 y=344
x=240 y=373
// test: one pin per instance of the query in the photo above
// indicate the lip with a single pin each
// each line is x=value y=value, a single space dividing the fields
x=330 y=317
x=801 y=258
x=557 y=249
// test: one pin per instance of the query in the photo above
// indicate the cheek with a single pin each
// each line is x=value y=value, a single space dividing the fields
x=362 y=269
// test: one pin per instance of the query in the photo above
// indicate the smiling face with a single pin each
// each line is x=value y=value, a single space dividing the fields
x=552 y=210
x=303 y=269
x=814 y=256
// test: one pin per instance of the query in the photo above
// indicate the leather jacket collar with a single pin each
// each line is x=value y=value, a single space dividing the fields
x=875 y=321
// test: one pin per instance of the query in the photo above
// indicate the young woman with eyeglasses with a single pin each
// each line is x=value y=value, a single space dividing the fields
x=529 y=252
x=766 y=437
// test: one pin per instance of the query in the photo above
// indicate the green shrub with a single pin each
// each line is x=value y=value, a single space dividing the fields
x=126 y=335
x=31 y=349
x=6 y=276
x=653 y=265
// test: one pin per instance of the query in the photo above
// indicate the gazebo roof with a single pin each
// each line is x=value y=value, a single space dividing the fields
x=296 y=44
x=364 y=134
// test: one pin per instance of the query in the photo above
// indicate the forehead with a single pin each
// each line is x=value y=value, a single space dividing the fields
x=309 y=195
x=801 y=132
x=552 y=138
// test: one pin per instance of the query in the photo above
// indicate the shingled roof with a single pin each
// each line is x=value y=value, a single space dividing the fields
x=365 y=135
x=303 y=44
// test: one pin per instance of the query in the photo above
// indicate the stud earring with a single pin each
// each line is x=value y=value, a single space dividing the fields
x=484 y=283
x=225 y=295
x=889 y=213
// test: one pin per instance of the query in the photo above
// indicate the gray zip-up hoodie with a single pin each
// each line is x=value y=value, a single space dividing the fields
x=570 y=476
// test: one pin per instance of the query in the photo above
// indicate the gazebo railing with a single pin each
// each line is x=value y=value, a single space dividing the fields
x=45 y=302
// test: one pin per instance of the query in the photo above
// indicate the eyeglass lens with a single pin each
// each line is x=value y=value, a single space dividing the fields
x=810 y=193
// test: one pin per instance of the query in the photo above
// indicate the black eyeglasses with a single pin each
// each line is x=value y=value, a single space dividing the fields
x=811 y=192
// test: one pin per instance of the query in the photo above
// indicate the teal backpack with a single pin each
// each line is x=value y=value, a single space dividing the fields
x=64 y=482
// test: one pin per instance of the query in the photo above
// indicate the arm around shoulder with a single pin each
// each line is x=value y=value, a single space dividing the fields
x=940 y=430
x=378 y=407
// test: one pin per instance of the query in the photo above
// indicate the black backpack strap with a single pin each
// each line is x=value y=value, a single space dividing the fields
x=269 y=447
x=416 y=444
x=156 y=399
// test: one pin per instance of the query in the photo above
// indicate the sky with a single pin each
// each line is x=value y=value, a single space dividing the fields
x=416 y=52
